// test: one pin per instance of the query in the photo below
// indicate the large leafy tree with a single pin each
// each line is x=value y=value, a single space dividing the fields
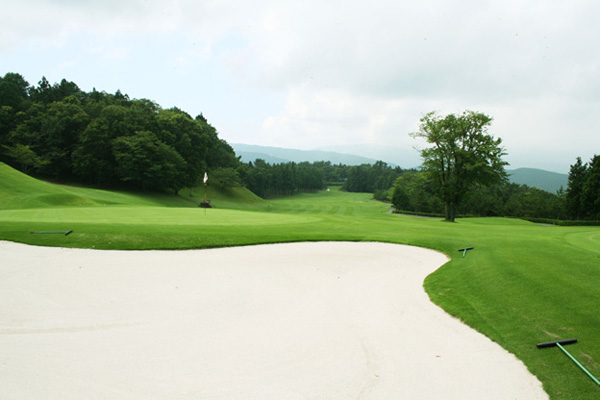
x=577 y=177
x=24 y=157
x=413 y=191
x=14 y=91
x=463 y=155
x=145 y=162
x=590 y=197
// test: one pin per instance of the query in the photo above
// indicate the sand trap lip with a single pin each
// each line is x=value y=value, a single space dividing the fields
x=328 y=320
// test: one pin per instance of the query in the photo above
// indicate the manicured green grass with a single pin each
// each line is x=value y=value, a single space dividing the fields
x=521 y=284
x=19 y=191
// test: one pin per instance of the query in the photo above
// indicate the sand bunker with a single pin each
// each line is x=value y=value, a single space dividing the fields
x=282 y=322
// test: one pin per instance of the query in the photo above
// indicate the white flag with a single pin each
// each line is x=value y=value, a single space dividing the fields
x=205 y=177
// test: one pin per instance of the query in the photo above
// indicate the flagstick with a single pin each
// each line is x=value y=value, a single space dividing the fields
x=205 y=185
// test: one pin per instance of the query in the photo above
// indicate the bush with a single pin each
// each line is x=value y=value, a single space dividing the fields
x=561 y=222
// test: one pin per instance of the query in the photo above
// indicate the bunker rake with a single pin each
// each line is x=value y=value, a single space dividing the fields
x=62 y=232
x=465 y=250
x=559 y=344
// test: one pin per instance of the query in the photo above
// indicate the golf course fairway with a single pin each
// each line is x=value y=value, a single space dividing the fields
x=521 y=284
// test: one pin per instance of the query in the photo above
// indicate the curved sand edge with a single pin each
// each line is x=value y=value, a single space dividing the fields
x=327 y=320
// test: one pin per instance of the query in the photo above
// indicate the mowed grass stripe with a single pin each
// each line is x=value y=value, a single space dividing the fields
x=152 y=216
x=332 y=202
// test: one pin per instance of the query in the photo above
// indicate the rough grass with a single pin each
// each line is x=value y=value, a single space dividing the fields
x=520 y=285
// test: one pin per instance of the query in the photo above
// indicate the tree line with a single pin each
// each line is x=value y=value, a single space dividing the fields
x=414 y=192
x=59 y=131
x=583 y=192
x=283 y=179
x=463 y=173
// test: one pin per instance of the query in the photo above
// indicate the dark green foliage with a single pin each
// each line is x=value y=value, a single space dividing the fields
x=332 y=173
x=414 y=192
x=577 y=178
x=513 y=200
x=400 y=198
x=13 y=101
x=147 y=163
x=463 y=155
x=24 y=157
x=579 y=205
x=46 y=93
x=590 y=196
x=583 y=191
x=273 y=180
x=14 y=91
x=227 y=178
x=93 y=160
x=563 y=222
x=371 y=178
x=359 y=179
x=61 y=132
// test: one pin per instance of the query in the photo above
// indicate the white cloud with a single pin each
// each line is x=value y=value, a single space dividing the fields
x=313 y=118
x=347 y=71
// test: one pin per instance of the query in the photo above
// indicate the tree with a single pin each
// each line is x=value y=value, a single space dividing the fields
x=107 y=139
x=14 y=91
x=359 y=179
x=400 y=198
x=227 y=178
x=577 y=178
x=47 y=93
x=94 y=160
x=24 y=157
x=145 y=162
x=463 y=155
x=419 y=193
x=590 y=196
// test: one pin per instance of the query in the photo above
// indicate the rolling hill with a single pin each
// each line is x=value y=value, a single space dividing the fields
x=21 y=191
x=275 y=155
x=539 y=178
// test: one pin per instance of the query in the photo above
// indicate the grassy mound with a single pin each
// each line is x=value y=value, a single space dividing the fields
x=18 y=190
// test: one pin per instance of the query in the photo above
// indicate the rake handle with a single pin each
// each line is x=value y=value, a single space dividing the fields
x=578 y=364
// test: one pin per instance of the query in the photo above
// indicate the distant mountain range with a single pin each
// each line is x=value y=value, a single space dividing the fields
x=539 y=178
x=274 y=155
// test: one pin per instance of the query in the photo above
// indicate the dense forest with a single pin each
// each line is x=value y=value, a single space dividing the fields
x=413 y=191
x=61 y=132
x=583 y=193
x=57 y=131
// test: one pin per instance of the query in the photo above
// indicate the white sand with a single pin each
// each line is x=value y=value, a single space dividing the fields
x=281 y=322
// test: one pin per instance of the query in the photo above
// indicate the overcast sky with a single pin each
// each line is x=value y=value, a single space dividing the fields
x=307 y=74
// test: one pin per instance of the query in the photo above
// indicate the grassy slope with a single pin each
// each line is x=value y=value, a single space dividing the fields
x=19 y=191
x=522 y=284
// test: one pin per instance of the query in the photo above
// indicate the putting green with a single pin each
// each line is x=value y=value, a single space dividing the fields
x=153 y=216
x=585 y=240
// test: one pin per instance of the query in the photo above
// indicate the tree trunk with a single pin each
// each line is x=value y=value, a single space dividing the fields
x=450 y=209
